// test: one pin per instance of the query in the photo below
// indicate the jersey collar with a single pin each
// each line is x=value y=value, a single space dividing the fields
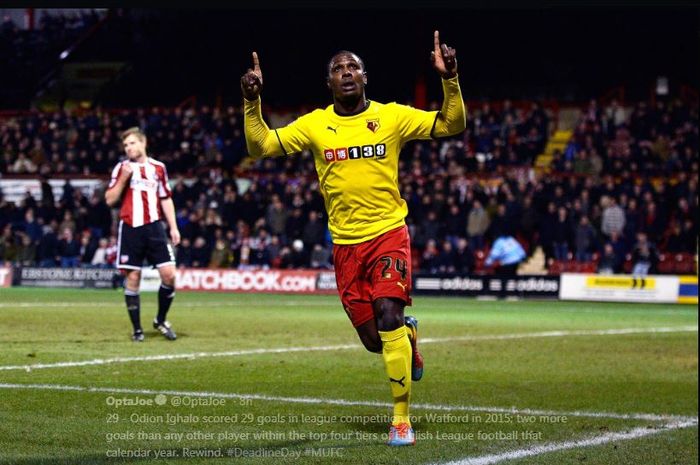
x=369 y=102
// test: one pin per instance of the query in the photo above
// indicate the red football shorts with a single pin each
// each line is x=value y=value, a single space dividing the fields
x=364 y=272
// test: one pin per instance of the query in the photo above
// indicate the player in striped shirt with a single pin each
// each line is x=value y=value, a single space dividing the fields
x=141 y=184
x=356 y=144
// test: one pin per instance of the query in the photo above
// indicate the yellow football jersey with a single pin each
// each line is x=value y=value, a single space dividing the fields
x=356 y=157
x=357 y=160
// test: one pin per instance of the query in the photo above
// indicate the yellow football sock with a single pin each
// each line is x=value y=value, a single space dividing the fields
x=396 y=351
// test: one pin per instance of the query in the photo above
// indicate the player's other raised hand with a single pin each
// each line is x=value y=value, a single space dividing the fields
x=252 y=80
x=444 y=58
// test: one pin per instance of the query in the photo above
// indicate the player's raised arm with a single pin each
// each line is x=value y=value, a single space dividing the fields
x=259 y=139
x=453 y=115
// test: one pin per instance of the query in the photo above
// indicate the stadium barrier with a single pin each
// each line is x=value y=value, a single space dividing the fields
x=568 y=286
x=282 y=281
x=90 y=278
x=523 y=286
x=628 y=288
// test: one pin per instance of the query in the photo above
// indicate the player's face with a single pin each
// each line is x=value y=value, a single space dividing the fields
x=346 y=77
x=134 y=147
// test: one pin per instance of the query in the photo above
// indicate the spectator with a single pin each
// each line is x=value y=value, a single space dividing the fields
x=200 y=253
x=445 y=261
x=477 y=223
x=47 y=250
x=221 y=256
x=561 y=235
x=320 y=257
x=528 y=222
x=613 y=216
x=32 y=227
x=294 y=257
x=183 y=257
x=295 y=224
x=276 y=217
x=508 y=252
x=26 y=252
x=99 y=258
x=274 y=248
x=314 y=231
x=585 y=239
x=98 y=216
x=88 y=246
x=644 y=256
x=547 y=227
x=68 y=222
x=111 y=253
x=619 y=246
x=8 y=245
x=23 y=165
x=68 y=249
x=455 y=224
x=464 y=257
x=429 y=257
x=609 y=262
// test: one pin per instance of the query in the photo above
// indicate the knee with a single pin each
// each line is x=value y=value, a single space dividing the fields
x=133 y=280
x=167 y=276
x=389 y=313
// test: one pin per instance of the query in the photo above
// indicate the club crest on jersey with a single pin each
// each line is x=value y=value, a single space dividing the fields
x=373 y=125
x=124 y=258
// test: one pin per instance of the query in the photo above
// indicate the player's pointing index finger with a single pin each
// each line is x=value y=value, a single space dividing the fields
x=436 y=41
x=256 y=62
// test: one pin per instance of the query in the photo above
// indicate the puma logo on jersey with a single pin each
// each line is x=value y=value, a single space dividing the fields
x=400 y=382
x=335 y=129
x=401 y=285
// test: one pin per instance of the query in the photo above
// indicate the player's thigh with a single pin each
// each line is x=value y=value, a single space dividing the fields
x=353 y=289
x=131 y=247
x=159 y=251
x=389 y=266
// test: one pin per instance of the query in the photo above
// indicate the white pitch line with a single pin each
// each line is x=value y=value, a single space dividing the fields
x=566 y=445
x=280 y=350
x=320 y=303
x=584 y=332
x=352 y=403
x=189 y=304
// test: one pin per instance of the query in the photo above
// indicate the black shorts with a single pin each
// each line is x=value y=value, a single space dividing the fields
x=147 y=242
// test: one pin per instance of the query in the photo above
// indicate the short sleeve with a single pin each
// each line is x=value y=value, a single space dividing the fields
x=163 y=187
x=115 y=175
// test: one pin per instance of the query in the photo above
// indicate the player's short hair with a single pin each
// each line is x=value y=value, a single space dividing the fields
x=344 y=52
x=136 y=131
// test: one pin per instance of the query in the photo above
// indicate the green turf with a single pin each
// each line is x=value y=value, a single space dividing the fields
x=643 y=372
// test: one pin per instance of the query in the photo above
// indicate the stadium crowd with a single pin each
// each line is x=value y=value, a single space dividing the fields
x=625 y=185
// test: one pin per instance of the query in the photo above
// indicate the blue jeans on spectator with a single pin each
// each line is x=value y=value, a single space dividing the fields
x=47 y=263
x=70 y=262
x=583 y=256
x=561 y=251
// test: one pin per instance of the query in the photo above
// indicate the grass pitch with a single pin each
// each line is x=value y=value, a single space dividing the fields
x=256 y=379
